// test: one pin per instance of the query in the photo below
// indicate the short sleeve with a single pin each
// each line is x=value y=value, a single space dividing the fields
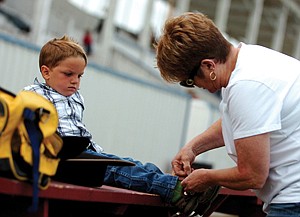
x=253 y=109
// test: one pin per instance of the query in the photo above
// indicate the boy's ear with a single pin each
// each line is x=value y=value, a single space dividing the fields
x=45 y=72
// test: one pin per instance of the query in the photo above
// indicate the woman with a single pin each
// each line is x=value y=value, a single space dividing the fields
x=260 y=111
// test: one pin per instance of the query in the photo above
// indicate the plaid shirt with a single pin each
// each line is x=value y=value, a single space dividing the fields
x=70 y=111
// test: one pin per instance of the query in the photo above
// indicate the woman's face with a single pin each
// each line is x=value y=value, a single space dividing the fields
x=65 y=77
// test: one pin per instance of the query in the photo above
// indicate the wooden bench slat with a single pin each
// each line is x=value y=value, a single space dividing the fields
x=64 y=191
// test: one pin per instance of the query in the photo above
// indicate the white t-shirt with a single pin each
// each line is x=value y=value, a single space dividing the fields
x=263 y=95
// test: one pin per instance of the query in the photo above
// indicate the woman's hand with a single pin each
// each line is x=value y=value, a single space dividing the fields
x=182 y=162
x=196 y=181
x=210 y=139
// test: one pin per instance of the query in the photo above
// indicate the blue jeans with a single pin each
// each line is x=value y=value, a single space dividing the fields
x=284 y=210
x=142 y=177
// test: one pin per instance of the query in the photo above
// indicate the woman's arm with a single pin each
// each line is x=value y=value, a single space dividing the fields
x=210 y=139
x=251 y=172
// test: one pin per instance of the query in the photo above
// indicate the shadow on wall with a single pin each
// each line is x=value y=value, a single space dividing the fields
x=202 y=165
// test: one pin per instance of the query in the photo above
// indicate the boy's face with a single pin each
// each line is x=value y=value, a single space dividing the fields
x=65 y=77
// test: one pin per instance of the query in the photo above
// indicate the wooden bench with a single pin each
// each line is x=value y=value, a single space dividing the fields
x=62 y=199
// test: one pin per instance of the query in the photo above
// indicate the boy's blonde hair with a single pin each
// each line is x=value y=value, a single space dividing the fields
x=58 y=49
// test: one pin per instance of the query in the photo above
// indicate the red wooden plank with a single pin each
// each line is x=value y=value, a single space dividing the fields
x=64 y=191
x=108 y=194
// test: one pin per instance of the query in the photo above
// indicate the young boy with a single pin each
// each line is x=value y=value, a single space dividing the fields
x=62 y=63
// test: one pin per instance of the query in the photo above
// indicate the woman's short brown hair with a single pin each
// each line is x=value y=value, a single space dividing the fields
x=187 y=40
